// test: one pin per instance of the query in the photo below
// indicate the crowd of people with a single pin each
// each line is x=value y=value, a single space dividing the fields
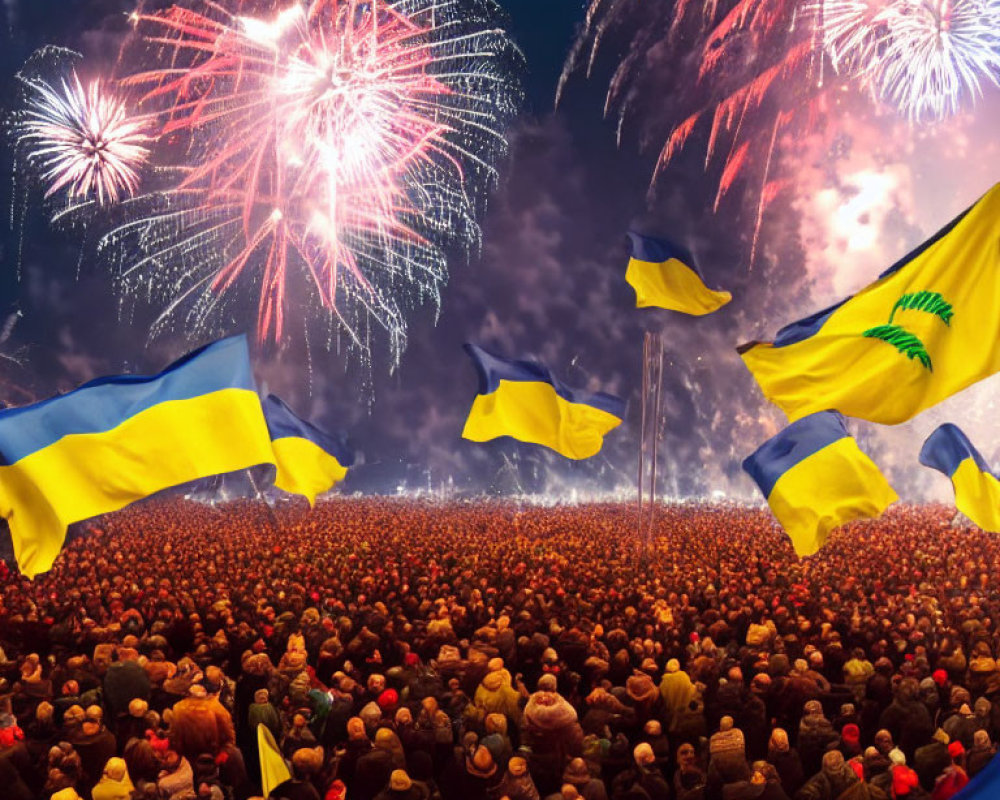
x=401 y=650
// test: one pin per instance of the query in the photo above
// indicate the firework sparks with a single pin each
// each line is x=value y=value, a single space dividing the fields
x=82 y=139
x=345 y=141
x=939 y=52
x=764 y=70
x=852 y=32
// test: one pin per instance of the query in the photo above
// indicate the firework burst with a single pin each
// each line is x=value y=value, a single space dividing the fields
x=938 y=53
x=348 y=142
x=83 y=140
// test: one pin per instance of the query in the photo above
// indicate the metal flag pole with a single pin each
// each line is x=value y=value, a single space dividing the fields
x=656 y=368
x=642 y=429
x=272 y=517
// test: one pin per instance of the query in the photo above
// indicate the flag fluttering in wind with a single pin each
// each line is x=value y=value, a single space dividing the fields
x=119 y=439
x=273 y=769
x=524 y=400
x=977 y=490
x=310 y=461
x=816 y=478
x=664 y=275
x=926 y=329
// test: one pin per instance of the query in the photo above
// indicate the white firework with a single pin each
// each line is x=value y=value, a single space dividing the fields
x=83 y=139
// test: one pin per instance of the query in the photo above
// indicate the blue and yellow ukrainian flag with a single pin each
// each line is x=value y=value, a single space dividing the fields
x=926 y=329
x=665 y=275
x=816 y=478
x=119 y=439
x=310 y=461
x=977 y=490
x=523 y=400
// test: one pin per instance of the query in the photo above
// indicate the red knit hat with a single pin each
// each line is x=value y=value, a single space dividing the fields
x=955 y=750
x=903 y=780
x=388 y=700
x=851 y=734
x=940 y=677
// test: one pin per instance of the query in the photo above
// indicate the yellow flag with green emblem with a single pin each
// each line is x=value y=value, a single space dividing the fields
x=926 y=329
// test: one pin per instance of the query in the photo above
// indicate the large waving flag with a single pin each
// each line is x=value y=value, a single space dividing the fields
x=523 y=400
x=816 y=478
x=926 y=329
x=665 y=275
x=118 y=439
x=310 y=461
x=977 y=490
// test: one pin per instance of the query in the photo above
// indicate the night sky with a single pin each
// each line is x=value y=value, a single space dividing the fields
x=549 y=281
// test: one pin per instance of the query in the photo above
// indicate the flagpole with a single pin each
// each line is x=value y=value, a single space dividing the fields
x=272 y=517
x=642 y=430
x=657 y=369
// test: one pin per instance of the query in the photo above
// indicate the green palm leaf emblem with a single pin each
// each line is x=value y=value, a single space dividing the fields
x=929 y=302
x=907 y=343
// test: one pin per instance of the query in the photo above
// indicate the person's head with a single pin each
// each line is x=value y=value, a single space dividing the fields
x=93 y=720
x=686 y=756
x=569 y=792
x=307 y=761
x=653 y=728
x=356 y=728
x=883 y=741
x=261 y=697
x=115 y=769
x=496 y=723
x=957 y=752
x=399 y=781
x=44 y=712
x=779 y=740
x=643 y=754
x=517 y=766
x=482 y=761
x=833 y=762
x=171 y=760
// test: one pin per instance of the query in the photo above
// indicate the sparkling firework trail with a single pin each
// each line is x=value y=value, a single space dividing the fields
x=756 y=78
x=346 y=141
x=82 y=139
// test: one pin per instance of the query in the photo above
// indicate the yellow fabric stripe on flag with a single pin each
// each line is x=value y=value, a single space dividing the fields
x=84 y=475
x=833 y=486
x=977 y=495
x=305 y=468
x=927 y=329
x=273 y=769
x=674 y=286
x=531 y=411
